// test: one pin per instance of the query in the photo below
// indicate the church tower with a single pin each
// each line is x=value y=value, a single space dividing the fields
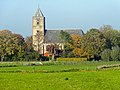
x=38 y=31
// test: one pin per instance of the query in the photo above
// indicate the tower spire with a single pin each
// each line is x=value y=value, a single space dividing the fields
x=38 y=6
x=39 y=12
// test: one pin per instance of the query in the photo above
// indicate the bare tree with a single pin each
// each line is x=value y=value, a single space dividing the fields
x=38 y=42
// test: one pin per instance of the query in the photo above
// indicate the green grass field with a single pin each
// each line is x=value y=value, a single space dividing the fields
x=59 y=76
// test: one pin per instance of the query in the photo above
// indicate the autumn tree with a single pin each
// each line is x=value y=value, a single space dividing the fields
x=94 y=43
x=78 y=51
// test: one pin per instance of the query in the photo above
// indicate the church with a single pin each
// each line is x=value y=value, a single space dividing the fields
x=43 y=39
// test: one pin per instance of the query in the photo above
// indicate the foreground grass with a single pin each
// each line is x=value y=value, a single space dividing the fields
x=58 y=76
x=85 y=80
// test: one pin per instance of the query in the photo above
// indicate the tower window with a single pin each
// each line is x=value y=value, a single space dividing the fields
x=38 y=31
x=37 y=21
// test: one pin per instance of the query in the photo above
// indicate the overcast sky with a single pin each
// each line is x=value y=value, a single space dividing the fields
x=16 y=15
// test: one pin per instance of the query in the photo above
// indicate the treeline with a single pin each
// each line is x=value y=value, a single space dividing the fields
x=13 y=47
x=96 y=44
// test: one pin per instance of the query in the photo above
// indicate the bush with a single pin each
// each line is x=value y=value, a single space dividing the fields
x=115 y=53
x=106 y=55
x=71 y=59
x=44 y=58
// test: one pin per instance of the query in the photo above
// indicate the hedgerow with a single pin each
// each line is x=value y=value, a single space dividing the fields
x=71 y=59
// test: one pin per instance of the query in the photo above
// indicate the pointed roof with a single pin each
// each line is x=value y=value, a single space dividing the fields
x=39 y=13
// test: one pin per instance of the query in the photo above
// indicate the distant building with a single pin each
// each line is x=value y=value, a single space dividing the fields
x=42 y=38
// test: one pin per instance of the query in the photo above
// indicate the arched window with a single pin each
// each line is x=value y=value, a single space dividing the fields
x=50 y=48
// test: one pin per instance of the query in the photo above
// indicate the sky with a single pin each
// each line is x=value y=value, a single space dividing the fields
x=16 y=15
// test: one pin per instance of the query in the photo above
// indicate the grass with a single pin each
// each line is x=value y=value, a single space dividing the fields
x=88 y=80
x=52 y=66
x=85 y=78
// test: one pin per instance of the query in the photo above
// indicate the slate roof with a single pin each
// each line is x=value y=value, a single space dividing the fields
x=52 y=36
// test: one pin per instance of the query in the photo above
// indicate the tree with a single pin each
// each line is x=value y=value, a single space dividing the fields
x=65 y=37
x=105 y=28
x=78 y=51
x=29 y=43
x=39 y=37
x=67 y=41
x=115 y=53
x=112 y=36
x=94 y=43
x=106 y=55
x=11 y=45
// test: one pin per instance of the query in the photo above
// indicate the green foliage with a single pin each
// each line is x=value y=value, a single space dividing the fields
x=67 y=52
x=64 y=36
x=29 y=42
x=13 y=47
x=106 y=55
x=92 y=45
x=112 y=36
x=115 y=53
x=66 y=39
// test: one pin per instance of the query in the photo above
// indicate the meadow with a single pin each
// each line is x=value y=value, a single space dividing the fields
x=58 y=76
